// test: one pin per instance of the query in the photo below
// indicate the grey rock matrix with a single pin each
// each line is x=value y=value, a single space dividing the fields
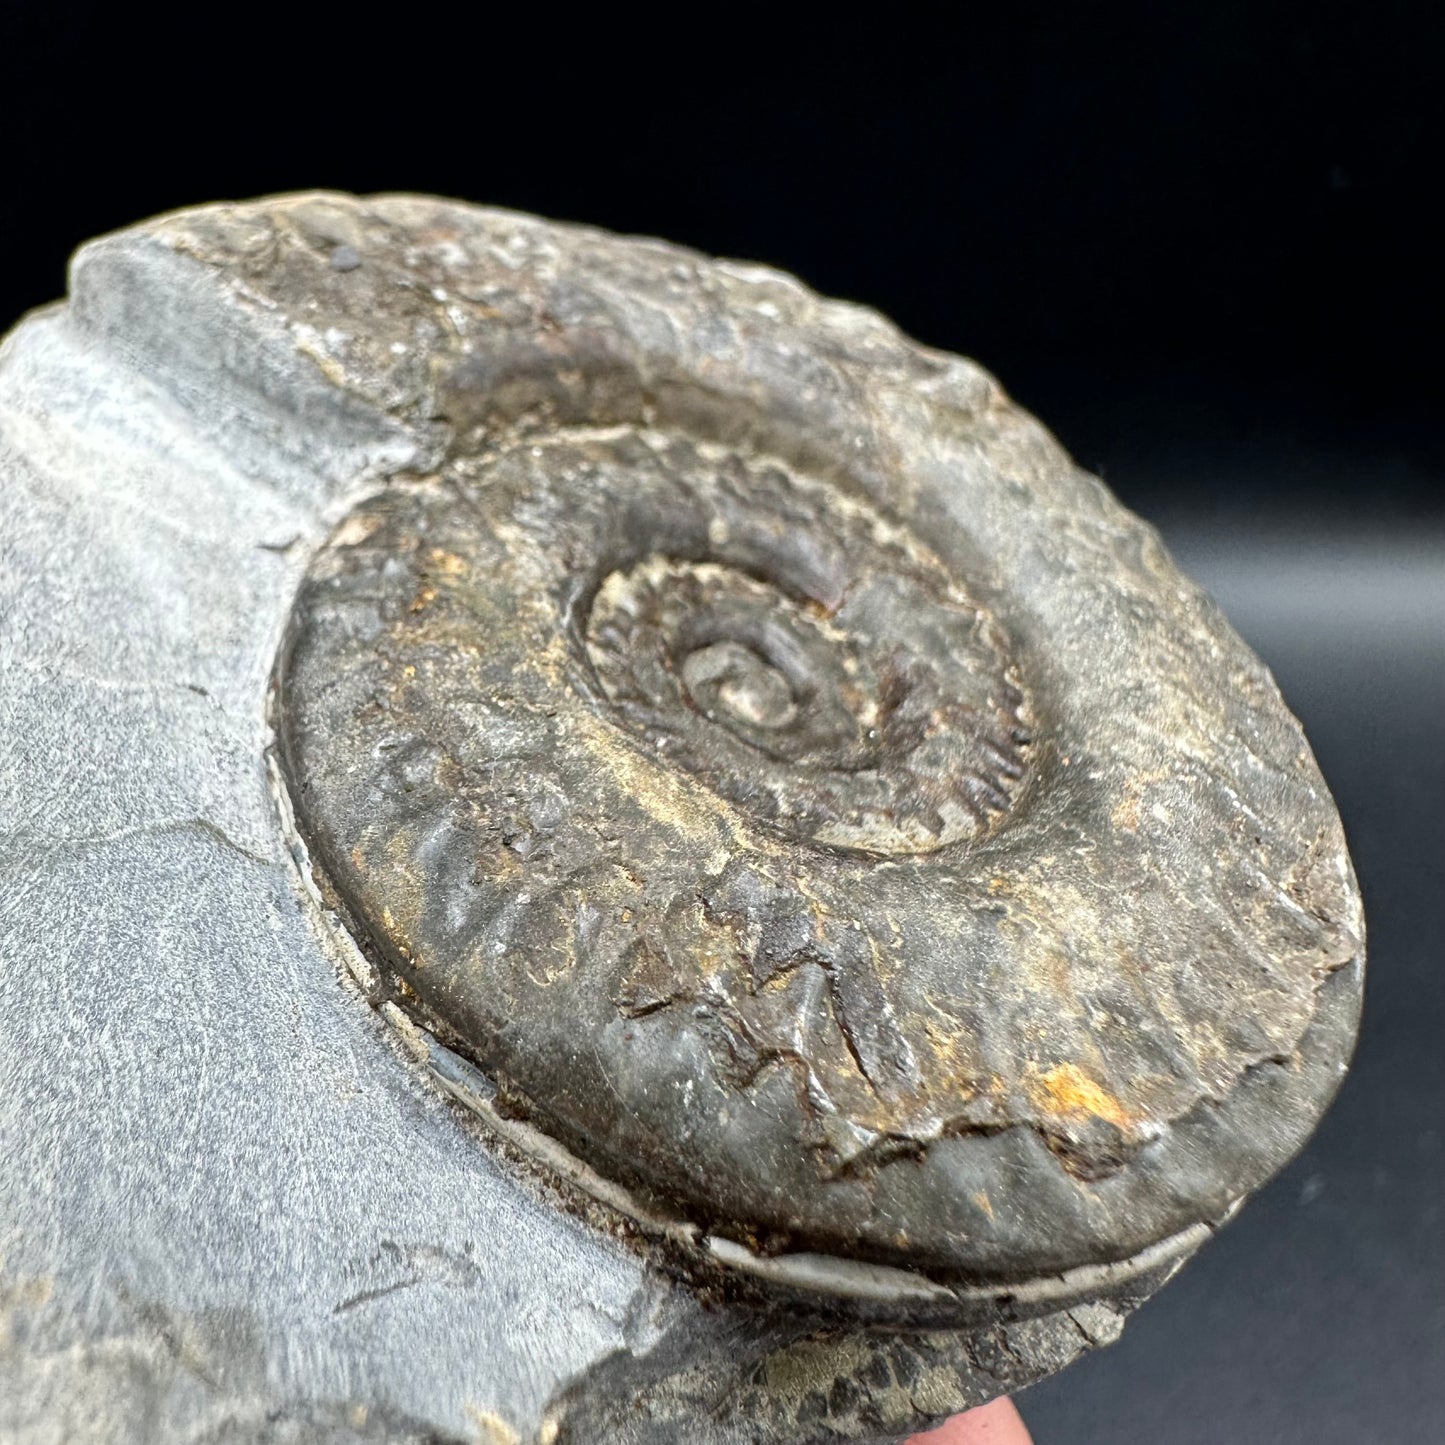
x=599 y=849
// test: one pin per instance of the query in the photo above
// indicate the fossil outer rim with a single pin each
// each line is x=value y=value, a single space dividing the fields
x=1163 y=914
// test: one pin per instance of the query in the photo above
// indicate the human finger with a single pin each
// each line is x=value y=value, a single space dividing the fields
x=996 y=1423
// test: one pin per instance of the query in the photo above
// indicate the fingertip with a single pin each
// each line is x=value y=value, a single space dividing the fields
x=996 y=1423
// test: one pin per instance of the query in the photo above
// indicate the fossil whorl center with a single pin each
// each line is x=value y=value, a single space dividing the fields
x=802 y=793
x=818 y=672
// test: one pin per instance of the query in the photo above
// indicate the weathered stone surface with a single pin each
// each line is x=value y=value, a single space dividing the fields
x=882 y=914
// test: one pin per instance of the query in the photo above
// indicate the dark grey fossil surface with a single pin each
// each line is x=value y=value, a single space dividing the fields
x=880 y=914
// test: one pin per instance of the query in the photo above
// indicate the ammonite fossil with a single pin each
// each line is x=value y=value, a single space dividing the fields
x=608 y=853
x=805 y=797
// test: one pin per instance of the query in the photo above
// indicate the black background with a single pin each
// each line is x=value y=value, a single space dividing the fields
x=1200 y=242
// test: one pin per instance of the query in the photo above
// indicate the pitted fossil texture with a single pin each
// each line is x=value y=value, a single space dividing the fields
x=753 y=743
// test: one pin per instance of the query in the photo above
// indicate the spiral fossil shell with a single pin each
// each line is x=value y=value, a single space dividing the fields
x=802 y=793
